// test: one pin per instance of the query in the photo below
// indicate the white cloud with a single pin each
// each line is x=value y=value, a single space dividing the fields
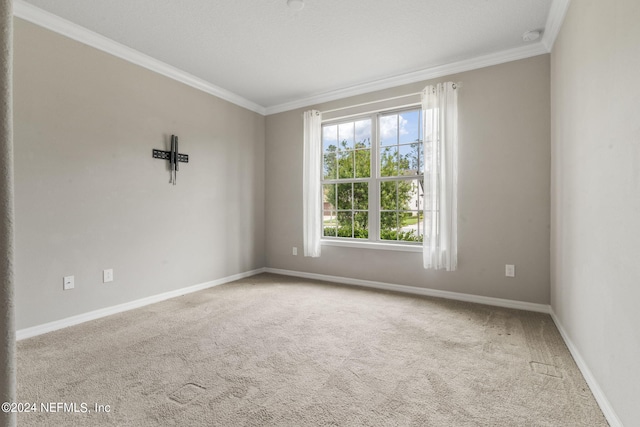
x=403 y=125
x=330 y=134
x=389 y=126
x=363 y=130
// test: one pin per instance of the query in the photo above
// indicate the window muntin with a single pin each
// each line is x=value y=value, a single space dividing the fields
x=374 y=191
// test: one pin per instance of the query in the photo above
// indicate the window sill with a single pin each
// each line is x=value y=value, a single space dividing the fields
x=372 y=245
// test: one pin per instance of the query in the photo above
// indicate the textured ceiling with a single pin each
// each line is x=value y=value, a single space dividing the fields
x=270 y=54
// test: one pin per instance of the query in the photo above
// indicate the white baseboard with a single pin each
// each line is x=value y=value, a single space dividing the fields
x=96 y=314
x=601 y=398
x=499 y=302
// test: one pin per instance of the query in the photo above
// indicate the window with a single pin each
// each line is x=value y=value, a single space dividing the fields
x=372 y=183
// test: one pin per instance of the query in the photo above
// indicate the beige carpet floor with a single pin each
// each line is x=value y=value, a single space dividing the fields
x=271 y=350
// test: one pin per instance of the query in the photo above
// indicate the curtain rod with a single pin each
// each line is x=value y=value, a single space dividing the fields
x=371 y=102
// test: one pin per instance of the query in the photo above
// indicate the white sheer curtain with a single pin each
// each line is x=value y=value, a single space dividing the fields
x=440 y=110
x=311 y=191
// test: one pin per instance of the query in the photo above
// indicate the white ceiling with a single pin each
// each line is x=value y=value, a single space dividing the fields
x=273 y=56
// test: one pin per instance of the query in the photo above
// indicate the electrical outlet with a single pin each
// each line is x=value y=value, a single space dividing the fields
x=107 y=275
x=510 y=270
x=68 y=282
x=295 y=250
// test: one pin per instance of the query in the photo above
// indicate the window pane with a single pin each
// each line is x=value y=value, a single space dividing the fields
x=409 y=224
x=389 y=130
x=363 y=133
x=329 y=138
x=360 y=196
x=329 y=197
x=329 y=223
x=345 y=164
x=407 y=194
x=345 y=224
x=345 y=197
x=415 y=157
x=388 y=226
x=329 y=166
x=408 y=160
x=388 y=196
x=421 y=158
x=361 y=225
x=409 y=126
x=420 y=201
x=345 y=136
x=363 y=163
x=389 y=161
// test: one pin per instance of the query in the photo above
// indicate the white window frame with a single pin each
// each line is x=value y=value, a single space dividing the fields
x=374 y=212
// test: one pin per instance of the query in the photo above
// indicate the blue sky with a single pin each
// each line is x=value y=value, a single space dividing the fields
x=405 y=125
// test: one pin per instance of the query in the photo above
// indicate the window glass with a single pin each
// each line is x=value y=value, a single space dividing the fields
x=392 y=197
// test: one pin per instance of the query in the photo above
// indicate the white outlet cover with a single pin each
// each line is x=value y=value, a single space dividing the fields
x=510 y=270
x=68 y=282
x=107 y=275
x=295 y=250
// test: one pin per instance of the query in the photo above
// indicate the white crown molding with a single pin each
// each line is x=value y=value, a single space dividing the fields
x=482 y=61
x=599 y=395
x=108 y=311
x=47 y=20
x=59 y=25
x=555 y=19
x=498 y=302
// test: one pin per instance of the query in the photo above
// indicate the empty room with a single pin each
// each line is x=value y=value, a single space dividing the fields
x=320 y=213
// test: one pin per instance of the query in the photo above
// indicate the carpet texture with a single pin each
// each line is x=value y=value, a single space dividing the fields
x=273 y=350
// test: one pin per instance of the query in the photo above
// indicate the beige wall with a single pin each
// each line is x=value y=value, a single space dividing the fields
x=503 y=191
x=595 y=236
x=89 y=196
